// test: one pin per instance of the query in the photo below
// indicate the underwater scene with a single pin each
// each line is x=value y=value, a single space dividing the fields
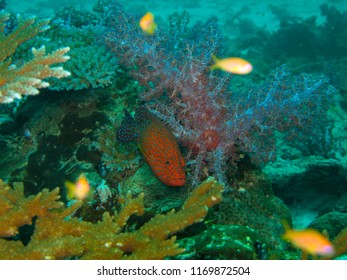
x=176 y=130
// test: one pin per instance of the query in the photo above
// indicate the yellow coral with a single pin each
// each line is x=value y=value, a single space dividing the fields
x=57 y=235
x=26 y=79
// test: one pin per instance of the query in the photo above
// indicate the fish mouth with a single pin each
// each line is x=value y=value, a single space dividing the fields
x=177 y=182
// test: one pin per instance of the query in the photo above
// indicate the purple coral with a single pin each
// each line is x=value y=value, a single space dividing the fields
x=294 y=106
x=214 y=126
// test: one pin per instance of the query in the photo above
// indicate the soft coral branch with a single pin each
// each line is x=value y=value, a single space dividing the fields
x=178 y=86
x=212 y=124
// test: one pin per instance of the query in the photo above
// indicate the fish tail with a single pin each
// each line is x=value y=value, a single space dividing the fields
x=152 y=28
x=215 y=65
x=70 y=187
x=215 y=59
x=285 y=225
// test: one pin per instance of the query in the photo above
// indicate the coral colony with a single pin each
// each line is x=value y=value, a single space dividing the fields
x=180 y=89
x=196 y=143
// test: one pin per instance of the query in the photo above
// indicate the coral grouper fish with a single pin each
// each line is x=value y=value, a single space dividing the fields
x=157 y=145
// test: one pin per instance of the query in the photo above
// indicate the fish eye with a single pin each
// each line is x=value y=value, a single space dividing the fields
x=167 y=162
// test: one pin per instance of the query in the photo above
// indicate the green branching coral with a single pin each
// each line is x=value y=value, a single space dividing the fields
x=26 y=79
x=91 y=65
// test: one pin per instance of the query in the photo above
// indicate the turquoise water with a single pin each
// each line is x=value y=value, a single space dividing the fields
x=275 y=138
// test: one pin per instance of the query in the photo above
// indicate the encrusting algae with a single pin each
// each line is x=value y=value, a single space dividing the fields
x=59 y=235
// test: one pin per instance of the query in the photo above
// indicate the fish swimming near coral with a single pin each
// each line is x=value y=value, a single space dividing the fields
x=157 y=144
x=147 y=23
x=309 y=241
x=234 y=65
x=79 y=190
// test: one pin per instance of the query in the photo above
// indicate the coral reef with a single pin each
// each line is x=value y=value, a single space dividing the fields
x=175 y=66
x=26 y=79
x=252 y=203
x=332 y=223
x=91 y=64
x=315 y=44
x=2 y=4
x=340 y=243
x=225 y=129
x=294 y=107
x=178 y=88
x=59 y=130
x=158 y=197
x=58 y=235
x=68 y=133
x=221 y=242
x=311 y=176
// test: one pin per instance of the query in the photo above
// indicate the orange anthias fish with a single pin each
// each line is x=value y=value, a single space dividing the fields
x=310 y=241
x=147 y=23
x=235 y=65
x=157 y=144
x=79 y=190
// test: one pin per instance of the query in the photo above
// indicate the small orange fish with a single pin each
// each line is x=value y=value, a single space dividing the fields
x=235 y=65
x=78 y=190
x=157 y=144
x=310 y=241
x=147 y=23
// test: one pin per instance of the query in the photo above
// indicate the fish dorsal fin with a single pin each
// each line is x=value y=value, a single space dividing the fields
x=128 y=130
x=142 y=116
x=143 y=119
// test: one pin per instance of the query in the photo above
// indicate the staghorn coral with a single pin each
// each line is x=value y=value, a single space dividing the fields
x=91 y=65
x=58 y=235
x=16 y=210
x=26 y=79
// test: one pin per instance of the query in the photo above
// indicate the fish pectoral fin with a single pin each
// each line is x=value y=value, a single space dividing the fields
x=149 y=158
x=142 y=152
